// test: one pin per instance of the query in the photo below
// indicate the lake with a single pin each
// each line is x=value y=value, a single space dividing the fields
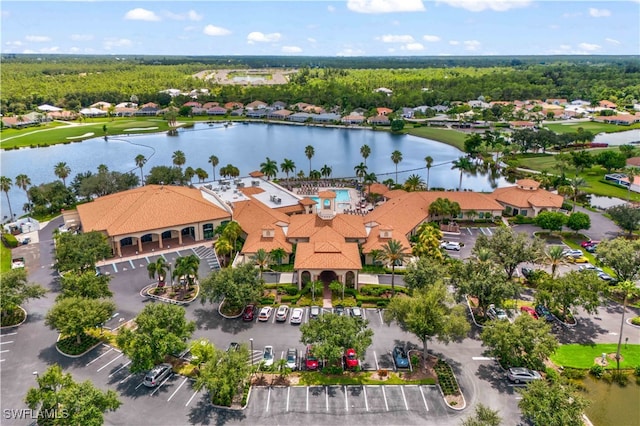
x=246 y=146
x=612 y=404
x=619 y=138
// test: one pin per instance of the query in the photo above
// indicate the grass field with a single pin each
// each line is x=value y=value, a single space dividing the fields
x=583 y=356
x=592 y=126
x=450 y=137
x=5 y=258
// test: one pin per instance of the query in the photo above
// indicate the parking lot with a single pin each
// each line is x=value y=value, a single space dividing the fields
x=7 y=342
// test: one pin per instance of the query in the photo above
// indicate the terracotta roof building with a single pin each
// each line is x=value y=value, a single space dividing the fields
x=527 y=198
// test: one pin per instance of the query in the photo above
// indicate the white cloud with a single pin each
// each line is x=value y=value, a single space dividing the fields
x=413 y=46
x=431 y=38
x=291 y=49
x=81 y=37
x=37 y=38
x=52 y=49
x=599 y=13
x=350 y=52
x=454 y=42
x=311 y=40
x=212 y=30
x=74 y=50
x=480 y=5
x=194 y=16
x=191 y=15
x=471 y=45
x=589 y=47
x=5 y=14
x=14 y=43
x=28 y=51
x=611 y=40
x=331 y=8
x=110 y=43
x=390 y=38
x=385 y=6
x=258 y=37
x=140 y=14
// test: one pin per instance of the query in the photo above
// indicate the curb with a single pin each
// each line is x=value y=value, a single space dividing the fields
x=227 y=316
x=473 y=317
x=21 y=322
x=464 y=401
x=145 y=293
x=628 y=321
x=80 y=355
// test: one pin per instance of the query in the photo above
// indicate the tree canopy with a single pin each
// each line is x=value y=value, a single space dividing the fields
x=627 y=217
x=87 y=284
x=71 y=316
x=80 y=252
x=552 y=404
x=237 y=286
x=509 y=248
x=621 y=255
x=16 y=289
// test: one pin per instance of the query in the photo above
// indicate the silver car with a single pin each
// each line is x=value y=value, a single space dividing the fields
x=522 y=375
x=157 y=374
x=296 y=316
x=281 y=313
x=292 y=358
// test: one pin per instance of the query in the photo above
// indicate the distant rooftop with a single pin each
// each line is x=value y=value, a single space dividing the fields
x=230 y=191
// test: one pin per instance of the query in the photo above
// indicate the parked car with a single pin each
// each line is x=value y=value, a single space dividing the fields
x=544 y=312
x=608 y=278
x=267 y=356
x=527 y=272
x=350 y=358
x=338 y=310
x=310 y=360
x=356 y=312
x=157 y=374
x=233 y=346
x=282 y=313
x=577 y=259
x=98 y=271
x=497 y=313
x=529 y=310
x=249 y=313
x=314 y=312
x=522 y=375
x=296 y=316
x=292 y=358
x=589 y=267
x=572 y=252
x=450 y=245
x=400 y=357
x=592 y=248
x=588 y=243
x=265 y=313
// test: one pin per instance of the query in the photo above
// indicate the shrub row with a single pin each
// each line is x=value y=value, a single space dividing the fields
x=9 y=240
x=446 y=378
x=69 y=346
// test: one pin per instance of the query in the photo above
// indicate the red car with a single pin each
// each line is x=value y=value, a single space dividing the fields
x=249 y=313
x=530 y=311
x=310 y=360
x=350 y=358
x=586 y=244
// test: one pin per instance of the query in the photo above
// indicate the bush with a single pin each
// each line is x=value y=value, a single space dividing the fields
x=290 y=299
x=9 y=240
x=69 y=346
x=446 y=378
x=520 y=220
x=635 y=321
x=573 y=373
x=597 y=371
x=552 y=375
x=636 y=371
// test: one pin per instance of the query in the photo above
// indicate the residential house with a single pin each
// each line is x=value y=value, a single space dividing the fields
x=255 y=105
x=237 y=112
x=384 y=111
x=407 y=112
x=280 y=114
x=478 y=104
x=192 y=104
x=62 y=115
x=522 y=125
x=352 y=119
x=217 y=110
x=93 y=112
x=327 y=117
x=208 y=105
x=299 y=117
x=171 y=92
x=527 y=198
x=18 y=122
x=48 y=108
x=104 y=106
x=278 y=105
x=234 y=105
x=556 y=101
x=256 y=113
x=619 y=119
x=379 y=120
x=384 y=90
x=148 y=109
x=607 y=104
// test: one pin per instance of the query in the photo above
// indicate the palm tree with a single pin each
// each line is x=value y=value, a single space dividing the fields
x=213 y=160
x=232 y=232
x=262 y=259
x=178 y=159
x=278 y=254
x=189 y=173
x=631 y=172
x=369 y=179
x=576 y=183
x=158 y=270
x=62 y=171
x=315 y=174
x=326 y=171
x=269 y=168
x=393 y=252
x=396 y=157
x=365 y=151
x=628 y=289
x=23 y=182
x=463 y=164
x=287 y=166
x=429 y=162
x=5 y=186
x=187 y=267
x=555 y=257
x=141 y=160
x=309 y=152
x=414 y=183
x=202 y=174
x=361 y=170
x=223 y=246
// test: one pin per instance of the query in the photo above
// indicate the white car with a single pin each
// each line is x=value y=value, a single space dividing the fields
x=450 y=245
x=267 y=356
x=589 y=267
x=281 y=313
x=572 y=252
x=296 y=316
x=356 y=312
x=265 y=313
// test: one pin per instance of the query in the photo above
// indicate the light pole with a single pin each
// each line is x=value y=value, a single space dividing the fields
x=251 y=354
x=170 y=275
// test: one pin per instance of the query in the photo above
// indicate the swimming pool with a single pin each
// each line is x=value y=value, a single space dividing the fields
x=342 y=196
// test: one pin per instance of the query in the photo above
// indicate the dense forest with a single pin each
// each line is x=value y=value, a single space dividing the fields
x=74 y=82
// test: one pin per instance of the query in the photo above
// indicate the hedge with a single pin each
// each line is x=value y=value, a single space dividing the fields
x=9 y=240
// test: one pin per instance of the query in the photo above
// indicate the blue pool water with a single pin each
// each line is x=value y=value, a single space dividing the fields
x=342 y=196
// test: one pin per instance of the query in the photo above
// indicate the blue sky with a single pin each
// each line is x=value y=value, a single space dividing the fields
x=322 y=28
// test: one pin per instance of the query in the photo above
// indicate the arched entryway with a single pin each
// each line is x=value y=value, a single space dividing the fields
x=327 y=277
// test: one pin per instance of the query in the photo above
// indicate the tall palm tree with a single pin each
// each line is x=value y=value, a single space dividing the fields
x=223 y=246
x=429 y=160
x=5 y=186
x=187 y=267
x=262 y=259
x=463 y=164
x=555 y=257
x=158 y=270
x=141 y=160
x=62 y=171
x=178 y=159
x=232 y=232
x=326 y=171
x=202 y=174
x=287 y=166
x=365 y=151
x=576 y=183
x=631 y=172
x=414 y=183
x=23 y=182
x=213 y=160
x=392 y=252
x=309 y=152
x=269 y=168
x=396 y=157
x=361 y=170
x=189 y=173
x=368 y=180
x=628 y=289
x=315 y=174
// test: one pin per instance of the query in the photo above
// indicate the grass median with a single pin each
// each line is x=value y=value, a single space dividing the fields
x=584 y=356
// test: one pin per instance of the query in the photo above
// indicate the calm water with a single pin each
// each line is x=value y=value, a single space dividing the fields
x=245 y=146
x=612 y=404
x=619 y=138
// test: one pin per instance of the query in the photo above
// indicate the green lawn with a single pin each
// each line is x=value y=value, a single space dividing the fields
x=583 y=356
x=309 y=378
x=5 y=258
x=448 y=136
x=592 y=126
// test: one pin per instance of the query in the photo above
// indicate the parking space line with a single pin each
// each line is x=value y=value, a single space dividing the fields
x=406 y=406
x=9 y=334
x=9 y=341
x=307 y=398
x=141 y=383
x=127 y=378
x=366 y=403
x=190 y=399
x=124 y=366
x=147 y=259
x=176 y=391
x=376 y=358
x=469 y=231
x=131 y=263
x=380 y=314
x=423 y=398
x=115 y=268
x=91 y=362
x=288 y=392
x=2 y=360
x=100 y=369
x=161 y=384
x=346 y=399
x=1 y=352
x=326 y=396
x=384 y=394
x=268 y=399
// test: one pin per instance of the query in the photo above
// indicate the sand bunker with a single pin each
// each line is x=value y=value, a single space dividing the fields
x=86 y=135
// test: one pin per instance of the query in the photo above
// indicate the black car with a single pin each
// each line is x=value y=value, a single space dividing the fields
x=339 y=310
x=526 y=272
x=591 y=248
x=543 y=312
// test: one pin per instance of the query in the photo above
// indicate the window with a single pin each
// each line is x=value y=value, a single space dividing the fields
x=523 y=212
x=481 y=215
x=207 y=231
